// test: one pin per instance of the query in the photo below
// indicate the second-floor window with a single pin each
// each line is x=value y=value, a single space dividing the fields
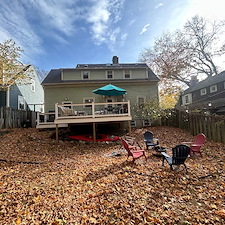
x=85 y=75
x=213 y=88
x=127 y=74
x=109 y=74
x=203 y=91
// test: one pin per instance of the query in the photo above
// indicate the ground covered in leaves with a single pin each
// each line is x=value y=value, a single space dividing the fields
x=43 y=182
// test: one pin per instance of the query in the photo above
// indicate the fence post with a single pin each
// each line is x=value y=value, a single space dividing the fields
x=204 y=119
x=213 y=127
x=223 y=131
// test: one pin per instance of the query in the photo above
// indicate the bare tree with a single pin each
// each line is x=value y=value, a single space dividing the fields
x=41 y=74
x=188 y=51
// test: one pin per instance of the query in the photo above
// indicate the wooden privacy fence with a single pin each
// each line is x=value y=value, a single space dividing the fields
x=213 y=126
x=13 y=118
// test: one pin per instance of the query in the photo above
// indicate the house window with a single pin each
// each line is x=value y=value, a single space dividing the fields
x=109 y=74
x=140 y=102
x=133 y=123
x=146 y=123
x=85 y=75
x=88 y=101
x=32 y=85
x=67 y=104
x=213 y=88
x=41 y=107
x=21 y=102
x=203 y=91
x=127 y=74
x=186 y=99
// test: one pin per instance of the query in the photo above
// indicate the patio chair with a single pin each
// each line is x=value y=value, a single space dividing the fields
x=179 y=155
x=150 y=140
x=197 y=144
x=133 y=151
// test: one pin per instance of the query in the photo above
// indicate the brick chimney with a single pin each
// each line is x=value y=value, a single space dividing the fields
x=193 y=81
x=115 y=60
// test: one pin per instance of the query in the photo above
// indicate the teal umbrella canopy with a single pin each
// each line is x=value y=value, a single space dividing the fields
x=110 y=90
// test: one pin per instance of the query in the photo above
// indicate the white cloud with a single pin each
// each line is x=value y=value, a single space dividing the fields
x=58 y=20
x=131 y=22
x=13 y=25
x=103 y=16
x=207 y=9
x=124 y=36
x=59 y=15
x=159 y=5
x=145 y=28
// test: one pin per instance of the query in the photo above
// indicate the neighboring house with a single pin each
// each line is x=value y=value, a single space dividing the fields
x=26 y=96
x=75 y=85
x=207 y=96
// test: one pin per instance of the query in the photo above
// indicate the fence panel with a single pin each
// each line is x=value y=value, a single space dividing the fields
x=13 y=118
x=212 y=126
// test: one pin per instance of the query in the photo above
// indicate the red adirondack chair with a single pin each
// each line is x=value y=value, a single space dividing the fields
x=133 y=151
x=197 y=144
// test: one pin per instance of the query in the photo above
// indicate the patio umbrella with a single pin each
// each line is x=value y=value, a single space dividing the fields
x=110 y=90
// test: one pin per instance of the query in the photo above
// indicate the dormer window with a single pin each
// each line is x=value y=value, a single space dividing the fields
x=85 y=75
x=203 y=91
x=127 y=74
x=213 y=88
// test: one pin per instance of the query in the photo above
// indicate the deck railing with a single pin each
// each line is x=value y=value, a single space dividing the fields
x=85 y=110
x=106 y=109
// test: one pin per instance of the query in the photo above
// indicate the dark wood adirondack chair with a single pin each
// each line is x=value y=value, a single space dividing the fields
x=150 y=140
x=197 y=144
x=133 y=151
x=179 y=155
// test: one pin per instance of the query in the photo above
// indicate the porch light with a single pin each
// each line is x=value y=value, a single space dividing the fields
x=209 y=104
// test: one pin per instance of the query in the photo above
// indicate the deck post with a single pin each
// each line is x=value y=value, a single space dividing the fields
x=129 y=127
x=94 y=132
x=57 y=133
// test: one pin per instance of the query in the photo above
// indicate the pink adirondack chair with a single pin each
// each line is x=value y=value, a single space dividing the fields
x=197 y=144
x=133 y=151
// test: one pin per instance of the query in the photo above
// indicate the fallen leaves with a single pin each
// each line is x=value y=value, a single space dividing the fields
x=75 y=183
x=221 y=213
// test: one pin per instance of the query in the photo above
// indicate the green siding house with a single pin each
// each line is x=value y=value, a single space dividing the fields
x=75 y=85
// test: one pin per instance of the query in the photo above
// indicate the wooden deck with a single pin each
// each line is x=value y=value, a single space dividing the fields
x=66 y=114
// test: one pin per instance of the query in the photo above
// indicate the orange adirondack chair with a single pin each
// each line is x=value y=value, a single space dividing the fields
x=197 y=144
x=133 y=151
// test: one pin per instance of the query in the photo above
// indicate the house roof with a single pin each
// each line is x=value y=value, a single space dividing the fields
x=54 y=76
x=112 y=66
x=207 y=82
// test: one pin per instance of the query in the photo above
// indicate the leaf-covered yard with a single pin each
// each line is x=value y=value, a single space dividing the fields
x=43 y=182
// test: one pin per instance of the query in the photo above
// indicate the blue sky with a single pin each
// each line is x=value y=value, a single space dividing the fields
x=62 y=33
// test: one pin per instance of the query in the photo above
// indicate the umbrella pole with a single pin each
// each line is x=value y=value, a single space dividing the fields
x=94 y=132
